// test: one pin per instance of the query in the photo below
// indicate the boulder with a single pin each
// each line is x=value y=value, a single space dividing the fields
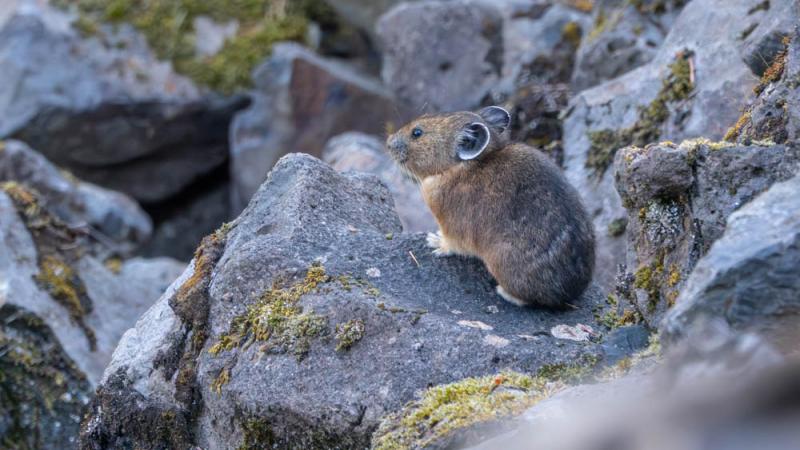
x=63 y=308
x=540 y=40
x=112 y=217
x=104 y=107
x=625 y=35
x=442 y=55
x=695 y=86
x=308 y=319
x=728 y=392
x=749 y=276
x=678 y=198
x=365 y=153
x=300 y=101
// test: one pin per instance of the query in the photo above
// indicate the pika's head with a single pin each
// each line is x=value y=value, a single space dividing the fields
x=431 y=145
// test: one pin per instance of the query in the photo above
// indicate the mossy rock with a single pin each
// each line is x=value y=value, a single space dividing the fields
x=42 y=393
x=168 y=26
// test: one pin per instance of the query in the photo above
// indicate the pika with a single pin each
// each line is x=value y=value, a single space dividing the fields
x=505 y=203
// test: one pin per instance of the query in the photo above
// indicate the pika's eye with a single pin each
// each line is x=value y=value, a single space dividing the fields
x=416 y=132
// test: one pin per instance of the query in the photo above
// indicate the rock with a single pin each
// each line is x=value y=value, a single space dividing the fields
x=625 y=341
x=185 y=221
x=112 y=217
x=104 y=107
x=242 y=349
x=695 y=86
x=63 y=311
x=738 y=396
x=678 y=198
x=442 y=55
x=540 y=40
x=300 y=101
x=749 y=276
x=364 y=153
x=775 y=114
x=363 y=13
x=536 y=110
x=625 y=35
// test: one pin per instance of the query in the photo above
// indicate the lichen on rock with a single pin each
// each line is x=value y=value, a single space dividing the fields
x=675 y=87
x=58 y=249
x=441 y=410
x=277 y=319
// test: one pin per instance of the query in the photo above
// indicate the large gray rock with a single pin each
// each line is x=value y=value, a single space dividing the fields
x=260 y=345
x=111 y=216
x=729 y=392
x=775 y=114
x=749 y=276
x=363 y=153
x=625 y=35
x=540 y=40
x=678 y=198
x=63 y=311
x=104 y=107
x=300 y=101
x=695 y=86
x=442 y=55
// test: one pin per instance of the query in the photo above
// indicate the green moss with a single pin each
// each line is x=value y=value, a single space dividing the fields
x=41 y=390
x=277 y=319
x=617 y=227
x=51 y=237
x=191 y=305
x=221 y=380
x=441 y=410
x=348 y=333
x=571 y=32
x=257 y=435
x=568 y=373
x=649 y=278
x=168 y=26
x=114 y=265
x=230 y=68
x=676 y=87
x=64 y=285
x=613 y=318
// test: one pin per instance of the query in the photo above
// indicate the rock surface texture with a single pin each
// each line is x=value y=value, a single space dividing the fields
x=300 y=101
x=625 y=35
x=749 y=276
x=678 y=198
x=363 y=153
x=307 y=320
x=775 y=113
x=63 y=310
x=111 y=216
x=441 y=55
x=105 y=108
x=695 y=86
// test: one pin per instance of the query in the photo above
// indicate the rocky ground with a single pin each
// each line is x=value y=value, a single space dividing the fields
x=205 y=245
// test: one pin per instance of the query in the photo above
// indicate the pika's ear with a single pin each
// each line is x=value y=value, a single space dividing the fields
x=472 y=140
x=496 y=117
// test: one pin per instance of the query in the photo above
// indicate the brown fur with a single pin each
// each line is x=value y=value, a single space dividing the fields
x=511 y=207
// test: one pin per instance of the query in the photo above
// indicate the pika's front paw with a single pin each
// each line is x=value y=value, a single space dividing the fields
x=439 y=245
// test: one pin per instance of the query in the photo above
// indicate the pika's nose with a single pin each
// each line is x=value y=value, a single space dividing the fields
x=398 y=147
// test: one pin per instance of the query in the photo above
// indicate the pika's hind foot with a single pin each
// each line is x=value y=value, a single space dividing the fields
x=508 y=297
x=439 y=244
